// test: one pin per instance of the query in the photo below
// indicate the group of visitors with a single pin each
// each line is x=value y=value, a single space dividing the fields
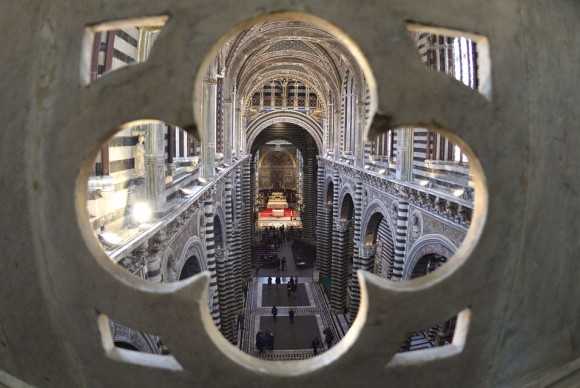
x=275 y=236
x=292 y=283
x=264 y=340
x=292 y=286
x=328 y=339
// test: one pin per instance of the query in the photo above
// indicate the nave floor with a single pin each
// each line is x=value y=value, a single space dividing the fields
x=312 y=313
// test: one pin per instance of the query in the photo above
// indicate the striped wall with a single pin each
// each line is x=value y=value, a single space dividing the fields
x=116 y=49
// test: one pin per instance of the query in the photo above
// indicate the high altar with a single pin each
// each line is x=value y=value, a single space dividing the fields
x=277 y=201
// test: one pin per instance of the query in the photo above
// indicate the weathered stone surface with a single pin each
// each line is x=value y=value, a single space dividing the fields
x=517 y=271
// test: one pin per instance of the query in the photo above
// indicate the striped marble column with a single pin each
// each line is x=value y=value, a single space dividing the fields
x=322 y=227
x=327 y=233
x=245 y=235
x=236 y=246
x=367 y=151
x=338 y=274
x=233 y=274
x=309 y=201
x=401 y=237
x=222 y=287
x=340 y=255
x=211 y=263
x=357 y=262
x=253 y=196
x=422 y=39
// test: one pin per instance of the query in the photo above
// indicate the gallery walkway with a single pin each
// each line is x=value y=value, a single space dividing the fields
x=292 y=341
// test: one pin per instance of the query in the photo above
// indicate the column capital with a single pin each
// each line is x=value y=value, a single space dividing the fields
x=342 y=225
x=368 y=251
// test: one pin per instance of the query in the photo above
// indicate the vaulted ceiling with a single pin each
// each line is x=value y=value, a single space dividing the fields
x=276 y=50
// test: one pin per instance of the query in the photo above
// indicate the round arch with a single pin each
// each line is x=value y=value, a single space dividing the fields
x=296 y=118
x=428 y=244
x=220 y=214
x=327 y=186
x=192 y=247
x=376 y=206
x=131 y=339
x=345 y=190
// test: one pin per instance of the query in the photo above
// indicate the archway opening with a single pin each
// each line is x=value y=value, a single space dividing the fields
x=440 y=334
x=428 y=264
x=190 y=268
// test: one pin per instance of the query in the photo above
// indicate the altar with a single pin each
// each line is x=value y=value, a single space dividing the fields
x=277 y=201
x=278 y=212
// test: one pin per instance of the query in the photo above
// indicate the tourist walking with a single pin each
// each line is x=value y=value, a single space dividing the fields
x=328 y=337
x=291 y=315
x=274 y=312
x=315 y=344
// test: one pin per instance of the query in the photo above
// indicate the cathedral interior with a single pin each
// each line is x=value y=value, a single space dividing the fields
x=264 y=197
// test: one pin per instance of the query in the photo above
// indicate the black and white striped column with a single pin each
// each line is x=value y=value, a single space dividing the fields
x=233 y=273
x=339 y=275
x=236 y=246
x=309 y=200
x=211 y=263
x=222 y=287
x=357 y=259
x=401 y=238
x=245 y=232
x=340 y=258
x=323 y=232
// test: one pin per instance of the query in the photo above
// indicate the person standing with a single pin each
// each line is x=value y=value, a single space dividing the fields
x=245 y=290
x=283 y=263
x=274 y=312
x=271 y=341
x=241 y=319
x=291 y=315
x=328 y=337
x=267 y=338
x=260 y=341
x=315 y=344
